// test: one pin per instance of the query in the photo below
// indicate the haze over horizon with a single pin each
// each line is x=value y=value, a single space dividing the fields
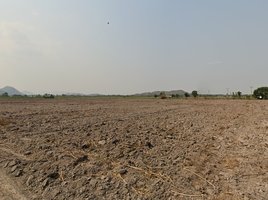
x=147 y=46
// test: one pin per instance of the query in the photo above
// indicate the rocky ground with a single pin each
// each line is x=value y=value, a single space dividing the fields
x=133 y=149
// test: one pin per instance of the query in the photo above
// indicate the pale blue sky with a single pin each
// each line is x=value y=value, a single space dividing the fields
x=149 y=45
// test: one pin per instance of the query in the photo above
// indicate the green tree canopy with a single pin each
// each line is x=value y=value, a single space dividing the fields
x=194 y=93
x=5 y=94
x=186 y=94
x=261 y=93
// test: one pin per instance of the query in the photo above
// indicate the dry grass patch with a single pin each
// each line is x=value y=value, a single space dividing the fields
x=4 y=122
x=163 y=96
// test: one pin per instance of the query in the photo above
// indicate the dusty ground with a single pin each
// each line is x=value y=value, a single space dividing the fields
x=133 y=149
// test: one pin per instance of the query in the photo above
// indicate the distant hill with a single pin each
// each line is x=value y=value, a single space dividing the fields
x=180 y=92
x=10 y=90
x=75 y=94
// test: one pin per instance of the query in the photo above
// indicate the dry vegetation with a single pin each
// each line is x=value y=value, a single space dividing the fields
x=163 y=96
x=4 y=122
x=133 y=149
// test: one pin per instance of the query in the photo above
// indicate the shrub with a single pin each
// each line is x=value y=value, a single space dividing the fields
x=48 y=96
x=163 y=96
x=261 y=93
x=5 y=94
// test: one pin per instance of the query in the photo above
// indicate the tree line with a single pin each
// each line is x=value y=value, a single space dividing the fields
x=259 y=93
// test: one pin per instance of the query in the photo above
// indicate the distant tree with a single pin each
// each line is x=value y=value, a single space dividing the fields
x=48 y=96
x=5 y=94
x=162 y=93
x=194 y=93
x=261 y=93
x=186 y=94
x=155 y=95
x=177 y=95
x=173 y=95
x=239 y=94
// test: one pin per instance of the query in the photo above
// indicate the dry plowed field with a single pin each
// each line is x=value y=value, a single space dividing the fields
x=133 y=149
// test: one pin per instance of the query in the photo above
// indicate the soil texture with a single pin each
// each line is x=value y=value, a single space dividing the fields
x=133 y=149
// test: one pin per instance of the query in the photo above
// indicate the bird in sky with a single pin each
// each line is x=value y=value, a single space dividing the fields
x=108 y=22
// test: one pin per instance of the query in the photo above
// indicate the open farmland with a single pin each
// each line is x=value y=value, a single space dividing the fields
x=133 y=149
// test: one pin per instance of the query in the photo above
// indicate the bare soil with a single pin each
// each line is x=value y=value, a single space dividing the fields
x=133 y=149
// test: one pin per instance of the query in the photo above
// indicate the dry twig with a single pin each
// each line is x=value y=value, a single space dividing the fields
x=61 y=176
x=119 y=176
x=187 y=195
x=199 y=176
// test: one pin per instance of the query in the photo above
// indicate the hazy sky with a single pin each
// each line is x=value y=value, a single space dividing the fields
x=148 y=45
